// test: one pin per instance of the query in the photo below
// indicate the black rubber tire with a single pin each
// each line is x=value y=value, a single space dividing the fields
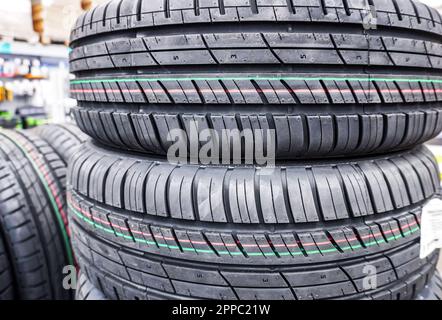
x=120 y=15
x=122 y=272
x=432 y=291
x=146 y=228
x=33 y=221
x=292 y=192
x=87 y=291
x=63 y=138
x=309 y=70
x=6 y=277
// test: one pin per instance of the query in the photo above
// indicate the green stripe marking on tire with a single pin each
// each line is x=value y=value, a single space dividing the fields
x=256 y=78
x=50 y=195
x=138 y=240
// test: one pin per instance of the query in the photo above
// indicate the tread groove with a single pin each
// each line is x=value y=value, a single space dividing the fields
x=398 y=10
x=167 y=9
x=222 y=9
x=254 y=6
x=346 y=7
x=119 y=11
x=323 y=7
x=139 y=8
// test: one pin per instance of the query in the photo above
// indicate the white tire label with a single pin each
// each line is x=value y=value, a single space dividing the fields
x=431 y=228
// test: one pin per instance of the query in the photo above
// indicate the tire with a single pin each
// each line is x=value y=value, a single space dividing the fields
x=435 y=147
x=6 y=277
x=63 y=138
x=433 y=291
x=307 y=192
x=123 y=273
x=33 y=221
x=144 y=68
x=87 y=291
x=155 y=235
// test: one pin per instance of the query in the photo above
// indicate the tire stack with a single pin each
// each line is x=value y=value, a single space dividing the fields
x=64 y=138
x=34 y=238
x=350 y=107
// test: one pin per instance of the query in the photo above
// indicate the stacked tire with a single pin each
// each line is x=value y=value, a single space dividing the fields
x=35 y=244
x=34 y=238
x=349 y=107
x=64 y=138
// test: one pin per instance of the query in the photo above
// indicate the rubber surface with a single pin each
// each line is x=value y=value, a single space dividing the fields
x=309 y=70
x=314 y=191
x=63 y=138
x=6 y=277
x=122 y=272
x=432 y=291
x=157 y=235
x=122 y=15
x=32 y=216
x=86 y=290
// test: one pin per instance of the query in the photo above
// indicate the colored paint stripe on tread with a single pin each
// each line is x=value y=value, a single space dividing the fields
x=256 y=78
x=82 y=215
x=51 y=192
x=298 y=91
